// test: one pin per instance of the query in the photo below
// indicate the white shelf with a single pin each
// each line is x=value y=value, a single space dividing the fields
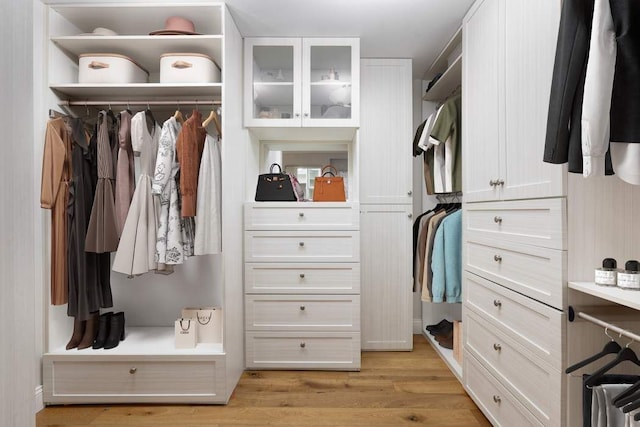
x=145 y=341
x=145 y=50
x=447 y=83
x=138 y=91
x=628 y=298
x=273 y=94
x=440 y=63
x=320 y=91
x=446 y=355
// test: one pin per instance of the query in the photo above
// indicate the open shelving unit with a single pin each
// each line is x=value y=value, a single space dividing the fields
x=626 y=297
x=446 y=355
x=451 y=73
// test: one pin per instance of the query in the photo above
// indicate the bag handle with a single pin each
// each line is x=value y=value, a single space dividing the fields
x=188 y=325
x=96 y=65
x=333 y=172
x=182 y=64
x=208 y=319
x=275 y=164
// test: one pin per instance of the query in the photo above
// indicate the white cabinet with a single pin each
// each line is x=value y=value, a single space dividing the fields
x=309 y=82
x=302 y=285
x=507 y=79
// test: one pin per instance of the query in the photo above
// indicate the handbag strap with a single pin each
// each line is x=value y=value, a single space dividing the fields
x=275 y=164
x=332 y=170
x=188 y=324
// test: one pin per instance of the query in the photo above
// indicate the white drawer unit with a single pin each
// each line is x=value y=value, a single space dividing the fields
x=538 y=273
x=497 y=403
x=536 y=326
x=539 y=222
x=303 y=278
x=301 y=216
x=302 y=286
x=296 y=350
x=534 y=383
x=302 y=312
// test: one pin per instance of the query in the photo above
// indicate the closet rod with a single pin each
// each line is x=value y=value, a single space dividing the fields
x=608 y=326
x=68 y=103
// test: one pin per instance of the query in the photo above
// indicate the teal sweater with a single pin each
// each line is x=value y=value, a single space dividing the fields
x=446 y=260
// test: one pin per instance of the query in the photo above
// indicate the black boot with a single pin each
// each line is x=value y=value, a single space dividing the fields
x=78 y=332
x=116 y=331
x=103 y=330
x=90 y=331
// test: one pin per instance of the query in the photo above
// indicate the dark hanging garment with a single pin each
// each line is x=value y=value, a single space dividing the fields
x=87 y=292
x=563 y=142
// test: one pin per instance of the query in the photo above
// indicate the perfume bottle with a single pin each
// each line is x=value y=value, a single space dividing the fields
x=630 y=277
x=607 y=274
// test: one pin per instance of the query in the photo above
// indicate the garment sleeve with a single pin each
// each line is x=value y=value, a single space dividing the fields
x=52 y=165
x=137 y=123
x=164 y=160
x=597 y=90
x=443 y=124
x=438 y=265
x=453 y=257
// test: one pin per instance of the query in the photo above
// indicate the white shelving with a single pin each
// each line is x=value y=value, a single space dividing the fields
x=628 y=298
x=446 y=355
x=274 y=94
x=137 y=91
x=446 y=84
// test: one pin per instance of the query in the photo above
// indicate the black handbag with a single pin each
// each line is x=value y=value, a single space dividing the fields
x=275 y=187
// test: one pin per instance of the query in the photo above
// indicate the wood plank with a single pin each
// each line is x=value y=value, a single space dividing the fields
x=392 y=389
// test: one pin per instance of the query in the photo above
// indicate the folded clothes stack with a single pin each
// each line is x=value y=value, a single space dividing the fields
x=443 y=333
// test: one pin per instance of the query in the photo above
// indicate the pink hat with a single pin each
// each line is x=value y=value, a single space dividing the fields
x=176 y=25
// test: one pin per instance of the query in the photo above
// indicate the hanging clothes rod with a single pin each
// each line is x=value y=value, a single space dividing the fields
x=613 y=328
x=69 y=103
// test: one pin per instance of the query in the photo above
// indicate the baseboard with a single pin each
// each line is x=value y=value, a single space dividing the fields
x=417 y=326
x=39 y=401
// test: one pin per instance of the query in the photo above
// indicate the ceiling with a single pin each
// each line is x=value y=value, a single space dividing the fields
x=416 y=29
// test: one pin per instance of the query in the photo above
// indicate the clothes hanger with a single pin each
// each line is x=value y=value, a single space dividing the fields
x=627 y=396
x=151 y=121
x=626 y=354
x=178 y=114
x=611 y=347
x=213 y=116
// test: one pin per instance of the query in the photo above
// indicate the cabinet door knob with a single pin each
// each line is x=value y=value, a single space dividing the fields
x=302 y=308
x=303 y=345
x=302 y=275
x=301 y=214
x=497 y=347
x=497 y=303
x=496 y=398
x=301 y=244
x=297 y=114
x=306 y=114
x=133 y=370
x=409 y=193
x=500 y=182
x=493 y=183
x=497 y=219
x=410 y=215
x=497 y=258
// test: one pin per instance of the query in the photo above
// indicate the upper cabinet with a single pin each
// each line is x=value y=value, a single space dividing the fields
x=308 y=82
x=507 y=81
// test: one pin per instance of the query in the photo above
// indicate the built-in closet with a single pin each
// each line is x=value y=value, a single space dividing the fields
x=146 y=366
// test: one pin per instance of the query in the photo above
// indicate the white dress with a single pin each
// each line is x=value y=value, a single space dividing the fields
x=208 y=239
x=174 y=241
x=136 y=251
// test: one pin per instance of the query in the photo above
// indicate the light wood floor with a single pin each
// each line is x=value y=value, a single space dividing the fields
x=392 y=389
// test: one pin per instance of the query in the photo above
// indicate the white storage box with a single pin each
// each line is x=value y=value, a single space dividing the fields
x=188 y=68
x=110 y=68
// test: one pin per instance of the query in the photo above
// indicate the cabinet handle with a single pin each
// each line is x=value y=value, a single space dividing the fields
x=493 y=183
x=301 y=214
x=303 y=345
x=497 y=219
x=497 y=347
x=500 y=182
x=409 y=193
x=410 y=215
x=302 y=307
x=497 y=258
x=496 y=398
x=301 y=244
x=302 y=275
x=133 y=370
x=297 y=114
x=306 y=114
x=497 y=303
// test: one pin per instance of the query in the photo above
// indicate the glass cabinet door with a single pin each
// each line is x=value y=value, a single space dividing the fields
x=272 y=80
x=331 y=71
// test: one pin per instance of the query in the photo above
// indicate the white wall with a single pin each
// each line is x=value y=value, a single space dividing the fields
x=17 y=218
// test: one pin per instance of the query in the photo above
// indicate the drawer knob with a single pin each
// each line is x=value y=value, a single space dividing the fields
x=496 y=398
x=303 y=345
x=302 y=275
x=301 y=244
x=497 y=258
x=301 y=214
x=302 y=307
x=409 y=193
x=133 y=370
x=497 y=347
x=497 y=219
x=497 y=303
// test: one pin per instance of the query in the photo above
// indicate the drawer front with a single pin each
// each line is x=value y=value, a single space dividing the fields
x=301 y=246
x=327 y=278
x=301 y=216
x=536 y=385
x=536 y=326
x=500 y=406
x=538 y=273
x=302 y=313
x=132 y=378
x=538 y=222
x=313 y=350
